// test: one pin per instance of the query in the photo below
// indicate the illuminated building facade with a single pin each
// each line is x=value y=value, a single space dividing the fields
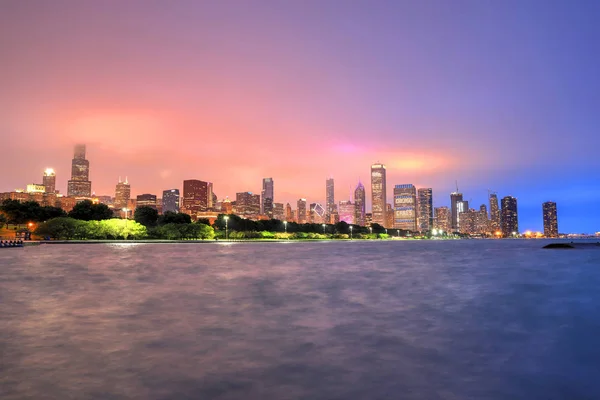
x=197 y=196
x=389 y=216
x=329 y=197
x=483 y=222
x=289 y=214
x=405 y=207
x=510 y=216
x=170 y=200
x=226 y=206
x=378 y=194
x=146 y=200
x=473 y=222
x=455 y=199
x=301 y=211
x=122 y=194
x=278 y=211
x=267 y=197
x=425 y=209
x=247 y=205
x=49 y=180
x=550 y=215
x=317 y=213
x=79 y=185
x=442 y=219
x=368 y=219
x=35 y=188
x=346 y=211
x=494 y=213
x=359 y=203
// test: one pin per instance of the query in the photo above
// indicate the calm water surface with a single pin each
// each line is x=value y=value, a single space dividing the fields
x=385 y=320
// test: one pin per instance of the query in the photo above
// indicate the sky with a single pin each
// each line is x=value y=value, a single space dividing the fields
x=494 y=95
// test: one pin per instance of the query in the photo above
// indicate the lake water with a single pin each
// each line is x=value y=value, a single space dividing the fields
x=354 y=320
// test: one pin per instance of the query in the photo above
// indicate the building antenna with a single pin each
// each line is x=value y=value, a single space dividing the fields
x=456 y=186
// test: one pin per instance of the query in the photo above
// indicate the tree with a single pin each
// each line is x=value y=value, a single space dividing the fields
x=49 y=212
x=88 y=211
x=3 y=220
x=171 y=217
x=146 y=216
x=342 y=227
x=205 y=232
x=60 y=228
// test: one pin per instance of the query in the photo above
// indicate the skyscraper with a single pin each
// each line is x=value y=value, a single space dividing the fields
x=146 y=200
x=170 y=200
x=494 y=214
x=510 y=216
x=378 y=194
x=425 y=209
x=79 y=185
x=301 y=210
x=455 y=199
x=347 y=211
x=442 y=220
x=289 y=214
x=405 y=207
x=197 y=196
x=247 y=204
x=278 y=211
x=550 y=219
x=267 y=197
x=359 y=203
x=49 y=180
x=329 y=197
x=122 y=194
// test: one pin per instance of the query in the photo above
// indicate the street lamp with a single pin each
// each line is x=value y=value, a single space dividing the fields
x=324 y=229
x=285 y=226
x=226 y=218
x=350 y=232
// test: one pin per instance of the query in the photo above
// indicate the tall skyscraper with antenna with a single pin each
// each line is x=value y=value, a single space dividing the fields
x=122 y=194
x=79 y=185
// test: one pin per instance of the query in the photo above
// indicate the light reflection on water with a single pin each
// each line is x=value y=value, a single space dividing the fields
x=361 y=320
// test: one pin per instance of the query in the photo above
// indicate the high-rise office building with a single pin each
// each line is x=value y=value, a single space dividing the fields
x=443 y=219
x=405 y=207
x=347 y=211
x=329 y=197
x=378 y=194
x=550 y=219
x=146 y=200
x=278 y=211
x=289 y=214
x=49 y=180
x=455 y=199
x=197 y=196
x=317 y=213
x=301 y=211
x=359 y=203
x=170 y=200
x=79 y=185
x=247 y=204
x=483 y=222
x=389 y=216
x=494 y=213
x=510 y=216
x=473 y=222
x=267 y=197
x=425 y=209
x=122 y=194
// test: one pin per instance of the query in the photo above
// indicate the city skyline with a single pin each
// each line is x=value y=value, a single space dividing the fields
x=165 y=102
